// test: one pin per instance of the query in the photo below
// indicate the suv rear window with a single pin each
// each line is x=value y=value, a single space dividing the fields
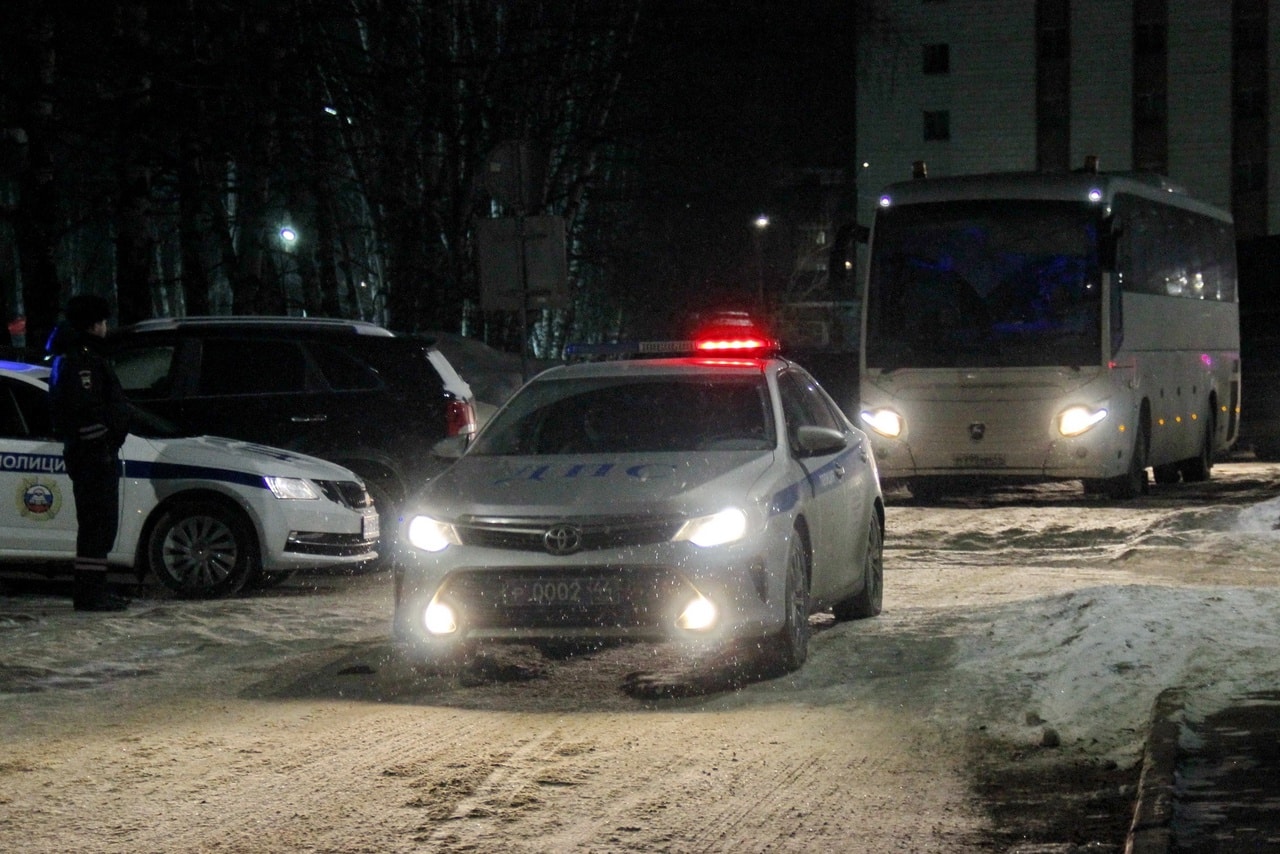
x=234 y=366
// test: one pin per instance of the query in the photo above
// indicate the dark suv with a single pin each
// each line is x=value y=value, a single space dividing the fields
x=347 y=391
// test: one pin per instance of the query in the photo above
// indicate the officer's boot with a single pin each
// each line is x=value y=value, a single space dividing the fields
x=89 y=592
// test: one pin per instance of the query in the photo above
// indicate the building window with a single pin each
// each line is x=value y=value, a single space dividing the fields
x=937 y=59
x=1149 y=108
x=1149 y=38
x=1249 y=176
x=1250 y=103
x=937 y=125
x=1052 y=43
x=1250 y=33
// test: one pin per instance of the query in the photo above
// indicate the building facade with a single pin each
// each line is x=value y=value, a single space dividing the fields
x=1184 y=88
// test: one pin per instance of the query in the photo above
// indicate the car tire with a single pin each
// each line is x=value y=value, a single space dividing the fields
x=1133 y=483
x=789 y=648
x=202 y=550
x=1198 y=469
x=868 y=601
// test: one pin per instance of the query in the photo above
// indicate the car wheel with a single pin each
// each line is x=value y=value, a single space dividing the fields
x=790 y=647
x=1197 y=469
x=202 y=550
x=1168 y=473
x=868 y=601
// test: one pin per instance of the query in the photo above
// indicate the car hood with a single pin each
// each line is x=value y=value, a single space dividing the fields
x=624 y=484
x=216 y=452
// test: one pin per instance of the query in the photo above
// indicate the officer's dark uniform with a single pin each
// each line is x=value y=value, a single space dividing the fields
x=91 y=417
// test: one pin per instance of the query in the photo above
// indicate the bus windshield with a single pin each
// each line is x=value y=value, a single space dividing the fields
x=989 y=283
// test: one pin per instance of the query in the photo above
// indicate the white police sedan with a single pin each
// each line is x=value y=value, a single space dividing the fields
x=205 y=515
x=704 y=498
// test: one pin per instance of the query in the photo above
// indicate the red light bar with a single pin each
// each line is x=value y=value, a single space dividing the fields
x=738 y=345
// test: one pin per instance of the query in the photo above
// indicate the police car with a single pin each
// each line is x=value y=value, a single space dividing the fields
x=707 y=497
x=205 y=515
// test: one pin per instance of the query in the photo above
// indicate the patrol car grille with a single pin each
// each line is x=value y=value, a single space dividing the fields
x=599 y=598
x=535 y=534
x=348 y=493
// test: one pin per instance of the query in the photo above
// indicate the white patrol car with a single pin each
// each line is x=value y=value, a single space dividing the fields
x=205 y=515
x=702 y=498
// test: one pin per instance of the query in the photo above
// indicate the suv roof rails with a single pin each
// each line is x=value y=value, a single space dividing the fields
x=356 y=327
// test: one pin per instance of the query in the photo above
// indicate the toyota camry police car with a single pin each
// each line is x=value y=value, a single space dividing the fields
x=205 y=515
x=704 y=497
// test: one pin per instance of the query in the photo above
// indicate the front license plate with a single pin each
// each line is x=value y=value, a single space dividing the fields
x=979 y=461
x=554 y=591
x=370 y=526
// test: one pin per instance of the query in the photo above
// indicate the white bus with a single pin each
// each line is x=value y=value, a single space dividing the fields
x=1039 y=327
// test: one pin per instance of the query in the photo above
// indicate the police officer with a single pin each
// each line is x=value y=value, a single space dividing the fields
x=91 y=417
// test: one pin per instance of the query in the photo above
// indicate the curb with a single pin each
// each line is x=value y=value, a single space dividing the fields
x=1151 y=831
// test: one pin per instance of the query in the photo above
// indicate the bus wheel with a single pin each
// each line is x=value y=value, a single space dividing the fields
x=1133 y=483
x=1196 y=469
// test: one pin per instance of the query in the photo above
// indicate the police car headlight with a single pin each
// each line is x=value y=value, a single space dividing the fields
x=886 y=422
x=292 y=488
x=1075 y=420
x=432 y=535
x=714 y=530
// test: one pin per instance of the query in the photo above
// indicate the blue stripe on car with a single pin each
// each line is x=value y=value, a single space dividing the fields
x=176 y=471
x=823 y=480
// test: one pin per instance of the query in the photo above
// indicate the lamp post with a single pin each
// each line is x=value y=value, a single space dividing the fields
x=761 y=223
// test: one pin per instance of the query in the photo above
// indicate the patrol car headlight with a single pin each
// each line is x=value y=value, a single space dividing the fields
x=886 y=422
x=292 y=488
x=432 y=535
x=714 y=530
x=1075 y=420
x=439 y=619
x=699 y=615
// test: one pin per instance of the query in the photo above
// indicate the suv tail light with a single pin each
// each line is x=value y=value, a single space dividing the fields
x=460 y=417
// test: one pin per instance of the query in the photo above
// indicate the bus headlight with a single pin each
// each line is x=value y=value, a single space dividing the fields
x=1075 y=420
x=432 y=535
x=886 y=422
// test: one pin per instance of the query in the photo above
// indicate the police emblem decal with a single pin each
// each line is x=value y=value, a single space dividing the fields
x=39 y=501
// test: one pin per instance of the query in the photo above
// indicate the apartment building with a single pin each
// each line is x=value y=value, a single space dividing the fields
x=1180 y=87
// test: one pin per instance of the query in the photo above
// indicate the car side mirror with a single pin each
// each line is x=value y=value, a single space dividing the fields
x=820 y=441
x=451 y=448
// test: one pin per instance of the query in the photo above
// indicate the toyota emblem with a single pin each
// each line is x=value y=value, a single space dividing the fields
x=562 y=540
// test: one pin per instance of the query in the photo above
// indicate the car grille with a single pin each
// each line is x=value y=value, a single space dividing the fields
x=592 y=534
x=348 y=493
x=564 y=598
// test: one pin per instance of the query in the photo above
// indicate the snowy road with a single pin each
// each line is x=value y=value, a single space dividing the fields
x=1001 y=699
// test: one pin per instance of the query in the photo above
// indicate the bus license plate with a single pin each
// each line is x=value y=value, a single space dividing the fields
x=552 y=591
x=979 y=461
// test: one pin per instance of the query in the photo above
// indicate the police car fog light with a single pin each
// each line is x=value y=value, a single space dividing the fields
x=432 y=535
x=1076 y=420
x=294 y=488
x=698 y=615
x=886 y=422
x=439 y=619
x=714 y=530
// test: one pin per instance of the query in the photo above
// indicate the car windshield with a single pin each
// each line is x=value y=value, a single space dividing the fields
x=985 y=284
x=650 y=414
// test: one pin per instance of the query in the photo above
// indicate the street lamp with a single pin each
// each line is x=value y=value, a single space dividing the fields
x=288 y=236
x=761 y=223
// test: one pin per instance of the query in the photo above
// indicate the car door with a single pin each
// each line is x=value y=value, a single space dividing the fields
x=37 y=511
x=836 y=484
